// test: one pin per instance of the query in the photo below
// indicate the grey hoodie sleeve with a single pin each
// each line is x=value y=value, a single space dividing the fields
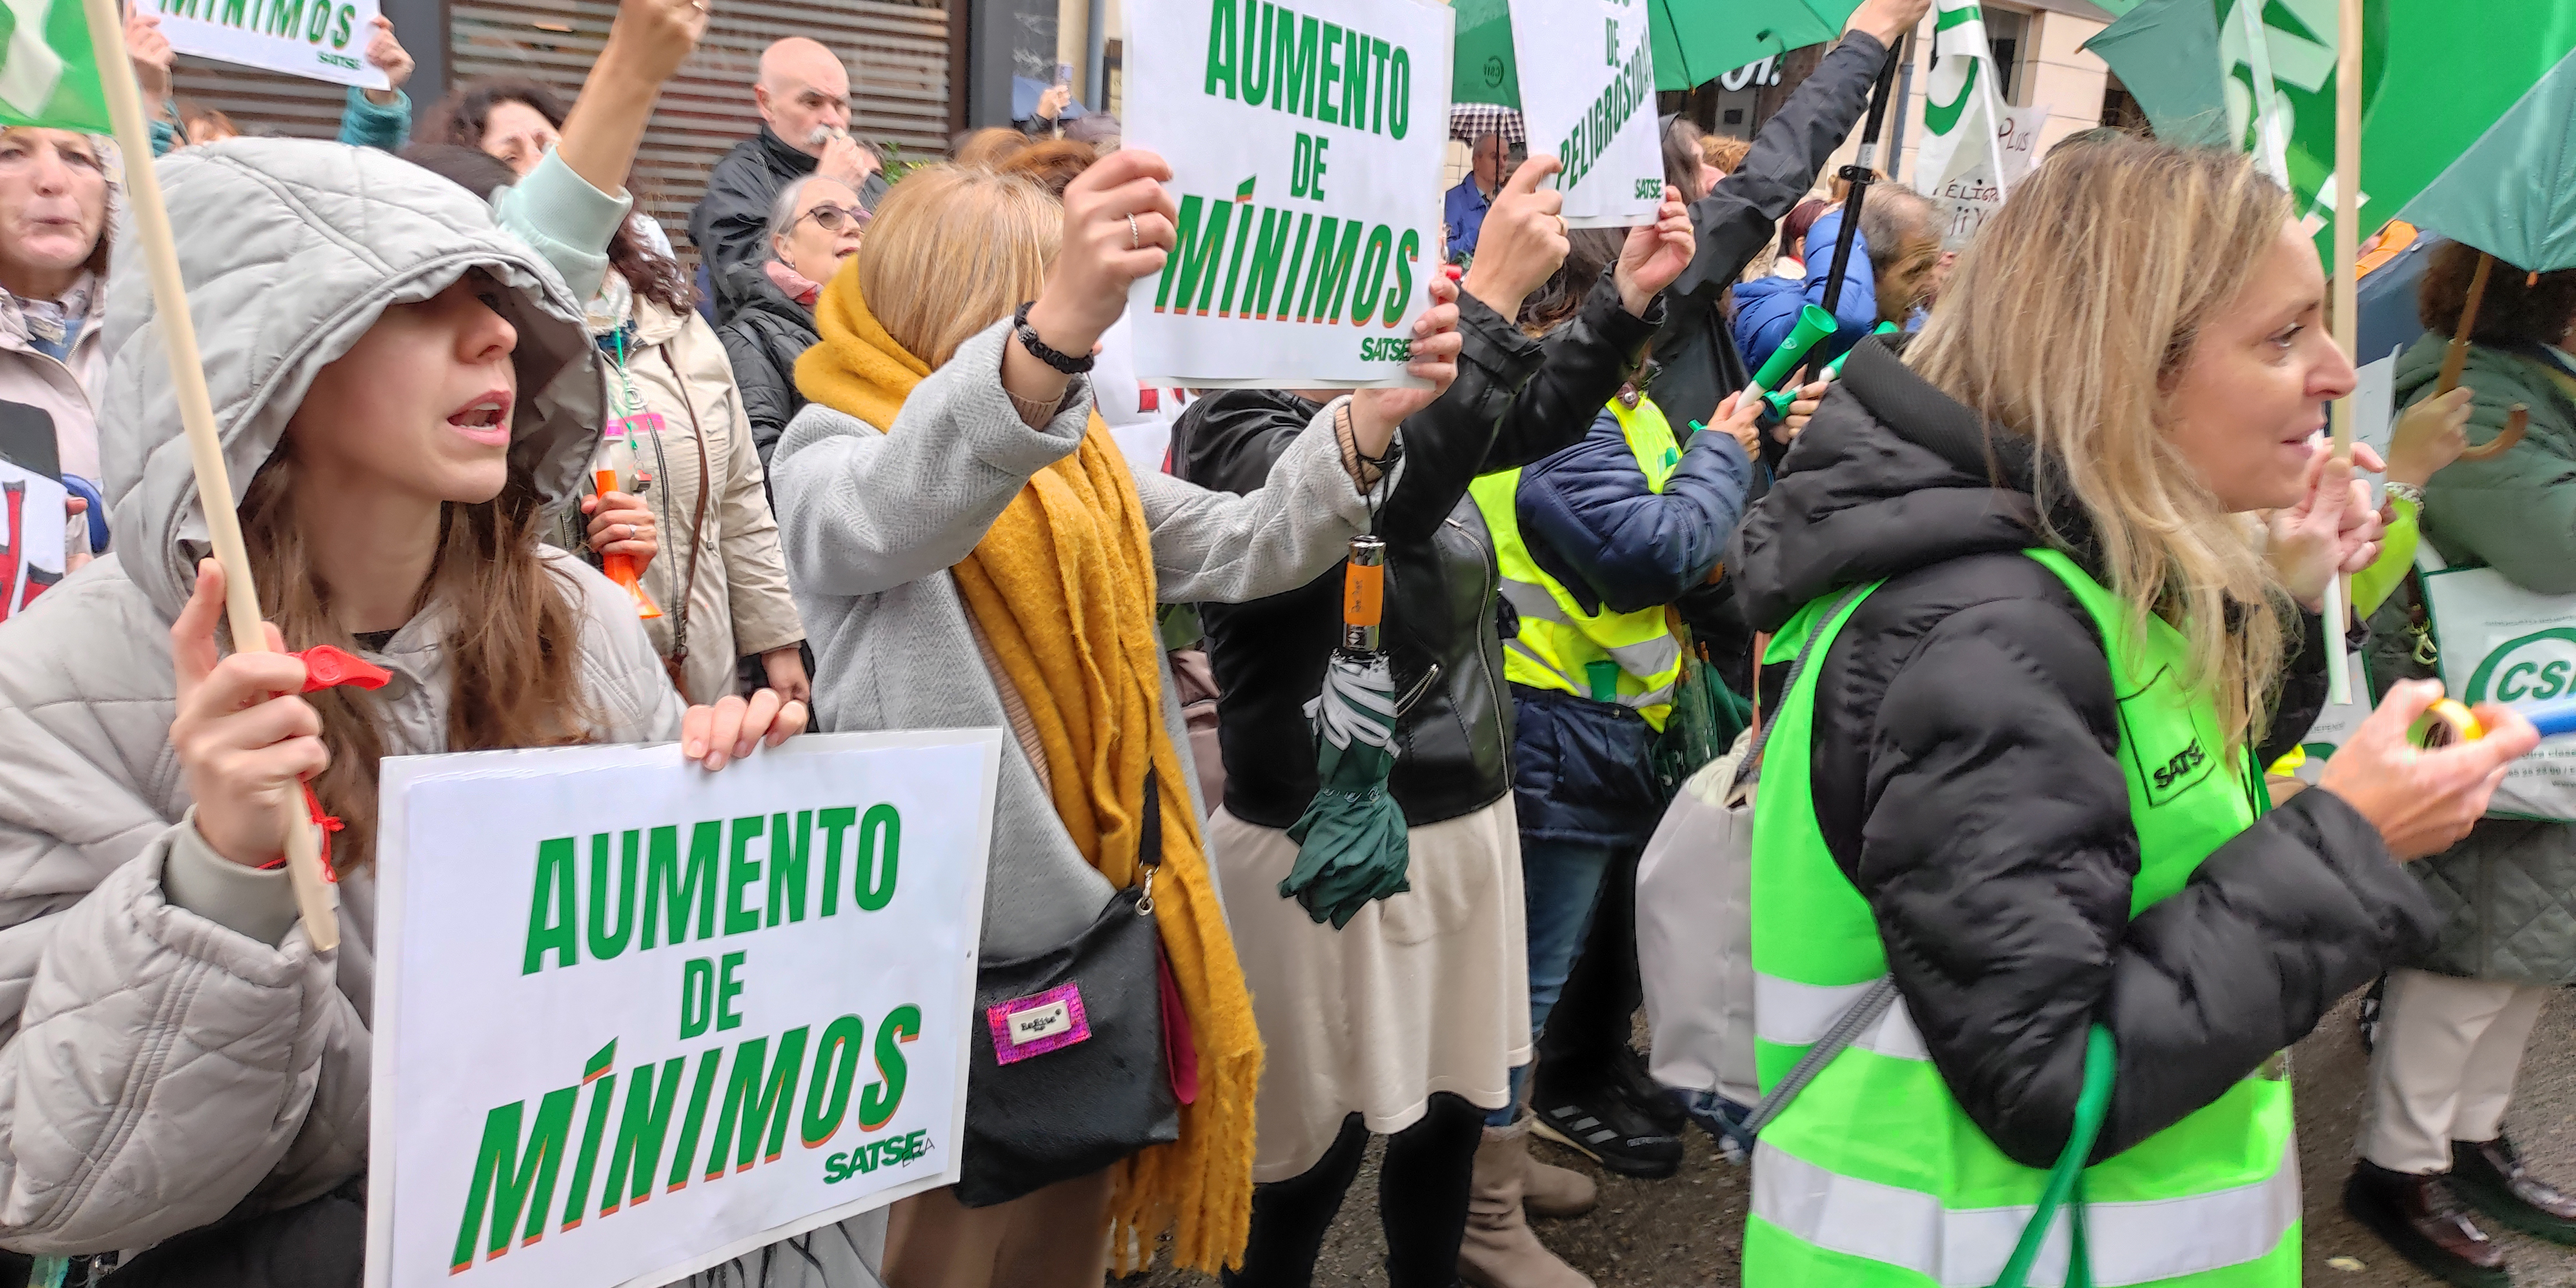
x=861 y=512
x=1220 y=547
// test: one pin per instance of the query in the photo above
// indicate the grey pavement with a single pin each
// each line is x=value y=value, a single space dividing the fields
x=1686 y=1232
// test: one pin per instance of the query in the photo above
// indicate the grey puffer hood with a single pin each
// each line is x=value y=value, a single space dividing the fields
x=291 y=250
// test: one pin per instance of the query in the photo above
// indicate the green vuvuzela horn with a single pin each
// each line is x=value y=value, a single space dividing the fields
x=1780 y=399
x=1814 y=324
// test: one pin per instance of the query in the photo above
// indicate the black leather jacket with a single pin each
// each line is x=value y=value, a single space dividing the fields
x=1515 y=401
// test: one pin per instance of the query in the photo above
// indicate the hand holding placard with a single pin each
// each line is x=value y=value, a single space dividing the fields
x=1375 y=413
x=1523 y=242
x=1117 y=229
x=1655 y=254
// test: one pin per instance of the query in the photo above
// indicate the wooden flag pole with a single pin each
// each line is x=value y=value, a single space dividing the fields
x=2347 y=251
x=315 y=899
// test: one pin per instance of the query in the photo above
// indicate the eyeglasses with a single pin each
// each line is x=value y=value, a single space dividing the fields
x=834 y=219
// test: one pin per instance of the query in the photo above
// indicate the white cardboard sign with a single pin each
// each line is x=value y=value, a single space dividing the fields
x=1973 y=193
x=325 y=40
x=607 y=978
x=1588 y=94
x=31 y=536
x=1305 y=143
x=2501 y=643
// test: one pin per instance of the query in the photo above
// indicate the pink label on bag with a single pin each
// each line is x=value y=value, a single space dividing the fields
x=1037 y=1024
x=620 y=426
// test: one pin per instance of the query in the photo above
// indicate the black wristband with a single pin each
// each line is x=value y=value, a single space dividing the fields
x=1066 y=363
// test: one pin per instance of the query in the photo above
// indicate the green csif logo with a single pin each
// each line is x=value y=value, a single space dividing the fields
x=2534 y=668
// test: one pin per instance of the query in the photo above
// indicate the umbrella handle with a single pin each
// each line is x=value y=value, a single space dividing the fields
x=2517 y=423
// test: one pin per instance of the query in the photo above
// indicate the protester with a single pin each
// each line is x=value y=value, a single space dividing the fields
x=2070 y=598
x=1724 y=153
x=931 y=494
x=373 y=118
x=1407 y=1019
x=53 y=284
x=1792 y=263
x=380 y=515
x=516 y=122
x=1894 y=267
x=1463 y=210
x=2454 y=1021
x=1595 y=542
x=804 y=98
x=814 y=225
x=1052 y=114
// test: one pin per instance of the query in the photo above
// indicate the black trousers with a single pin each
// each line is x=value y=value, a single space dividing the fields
x=1421 y=1202
x=1594 y=1016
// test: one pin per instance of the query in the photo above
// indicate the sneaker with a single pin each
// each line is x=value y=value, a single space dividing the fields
x=1601 y=1126
x=1644 y=1094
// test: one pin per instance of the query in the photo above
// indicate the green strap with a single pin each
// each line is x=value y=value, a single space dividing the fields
x=2066 y=1180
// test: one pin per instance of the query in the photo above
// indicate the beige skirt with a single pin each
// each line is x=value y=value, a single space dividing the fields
x=1424 y=992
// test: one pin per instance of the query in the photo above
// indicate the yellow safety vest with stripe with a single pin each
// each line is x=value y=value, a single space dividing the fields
x=1632 y=659
x=1873 y=1177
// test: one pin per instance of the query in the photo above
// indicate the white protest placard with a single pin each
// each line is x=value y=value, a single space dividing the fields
x=1961 y=157
x=2501 y=643
x=320 y=39
x=1972 y=195
x=1588 y=94
x=607 y=979
x=31 y=536
x=1305 y=143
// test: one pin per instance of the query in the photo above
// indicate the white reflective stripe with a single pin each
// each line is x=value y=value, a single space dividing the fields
x=1530 y=599
x=1788 y=1013
x=1647 y=658
x=2130 y=1243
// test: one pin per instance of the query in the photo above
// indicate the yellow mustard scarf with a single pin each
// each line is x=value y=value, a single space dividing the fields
x=1062 y=586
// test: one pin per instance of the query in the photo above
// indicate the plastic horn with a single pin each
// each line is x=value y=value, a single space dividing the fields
x=1364 y=594
x=1814 y=324
x=1781 y=398
x=621 y=568
x=2449 y=722
x=2553 y=720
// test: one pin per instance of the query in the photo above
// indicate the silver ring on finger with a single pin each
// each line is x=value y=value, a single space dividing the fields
x=1135 y=239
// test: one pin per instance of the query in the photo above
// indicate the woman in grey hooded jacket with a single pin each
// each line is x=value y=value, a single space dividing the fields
x=403 y=389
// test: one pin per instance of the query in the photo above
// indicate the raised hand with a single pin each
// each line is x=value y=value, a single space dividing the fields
x=152 y=57
x=2332 y=529
x=1655 y=254
x=1888 y=20
x=1117 y=228
x=388 y=53
x=717 y=736
x=1523 y=241
x=246 y=743
x=1375 y=413
x=2423 y=802
x=2429 y=435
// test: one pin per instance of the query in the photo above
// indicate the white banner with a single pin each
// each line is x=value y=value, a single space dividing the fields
x=2501 y=643
x=322 y=39
x=1305 y=146
x=606 y=978
x=1971 y=198
x=1962 y=117
x=1588 y=95
x=31 y=536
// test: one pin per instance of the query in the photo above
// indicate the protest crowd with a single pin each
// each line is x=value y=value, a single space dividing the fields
x=2009 y=569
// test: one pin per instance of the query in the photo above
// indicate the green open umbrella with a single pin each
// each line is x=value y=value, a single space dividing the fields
x=1695 y=41
x=2466 y=110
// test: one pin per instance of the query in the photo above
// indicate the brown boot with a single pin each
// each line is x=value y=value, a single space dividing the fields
x=2422 y=1221
x=1499 y=1250
x=1553 y=1191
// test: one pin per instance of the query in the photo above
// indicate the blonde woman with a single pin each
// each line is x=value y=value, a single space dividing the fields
x=969 y=548
x=2055 y=568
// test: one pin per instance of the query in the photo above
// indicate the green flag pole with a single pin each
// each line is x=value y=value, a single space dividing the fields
x=315 y=899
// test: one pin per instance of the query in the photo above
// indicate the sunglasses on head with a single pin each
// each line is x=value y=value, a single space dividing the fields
x=833 y=219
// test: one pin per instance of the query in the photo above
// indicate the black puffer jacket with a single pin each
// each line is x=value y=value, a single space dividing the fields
x=764 y=339
x=1515 y=401
x=1965 y=776
x=730 y=225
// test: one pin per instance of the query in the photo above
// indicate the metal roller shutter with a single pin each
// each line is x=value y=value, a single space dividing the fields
x=897 y=55
x=262 y=102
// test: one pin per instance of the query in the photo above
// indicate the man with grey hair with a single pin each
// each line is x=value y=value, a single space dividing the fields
x=1893 y=265
x=804 y=97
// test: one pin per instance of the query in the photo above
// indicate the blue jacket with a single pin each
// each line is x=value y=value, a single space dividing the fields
x=1581 y=769
x=1462 y=214
x=1767 y=310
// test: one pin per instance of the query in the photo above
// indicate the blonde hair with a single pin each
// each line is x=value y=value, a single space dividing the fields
x=951 y=251
x=2068 y=321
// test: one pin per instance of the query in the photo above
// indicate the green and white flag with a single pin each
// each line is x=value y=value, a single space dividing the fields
x=1305 y=140
x=1588 y=94
x=1963 y=124
x=47 y=75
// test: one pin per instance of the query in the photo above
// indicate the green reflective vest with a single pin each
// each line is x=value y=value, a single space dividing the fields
x=1873 y=1177
x=1632 y=659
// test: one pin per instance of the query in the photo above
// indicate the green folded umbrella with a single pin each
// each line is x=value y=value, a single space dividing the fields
x=2466 y=110
x=1351 y=841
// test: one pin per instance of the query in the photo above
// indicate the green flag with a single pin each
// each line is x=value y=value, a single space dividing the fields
x=2464 y=123
x=47 y=75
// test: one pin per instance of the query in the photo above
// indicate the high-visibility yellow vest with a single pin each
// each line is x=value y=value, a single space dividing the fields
x=1874 y=1177
x=1632 y=659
